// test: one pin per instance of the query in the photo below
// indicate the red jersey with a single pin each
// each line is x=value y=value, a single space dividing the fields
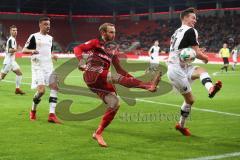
x=100 y=56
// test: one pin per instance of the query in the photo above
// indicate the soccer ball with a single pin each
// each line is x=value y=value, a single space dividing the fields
x=187 y=55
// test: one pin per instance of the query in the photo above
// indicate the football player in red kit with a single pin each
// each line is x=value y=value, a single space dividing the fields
x=100 y=80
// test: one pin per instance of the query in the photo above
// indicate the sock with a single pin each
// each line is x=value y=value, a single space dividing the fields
x=185 y=110
x=18 y=81
x=206 y=80
x=107 y=119
x=36 y=100
x=52 y=101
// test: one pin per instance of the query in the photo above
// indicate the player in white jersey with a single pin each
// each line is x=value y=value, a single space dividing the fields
x=9 y=63
x=234 y=53
x=40 y=46
x=181 y=74
x=154 y=59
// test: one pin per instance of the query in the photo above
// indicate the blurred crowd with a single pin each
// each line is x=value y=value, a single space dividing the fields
x=213 y=32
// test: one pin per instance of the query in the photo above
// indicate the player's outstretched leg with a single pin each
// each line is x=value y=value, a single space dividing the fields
x=131 y=82
x=113 y=105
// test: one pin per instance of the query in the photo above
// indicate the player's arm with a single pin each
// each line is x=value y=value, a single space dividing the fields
x=220 y=53
x=54 y=57
x=200 y=54
x=83 y=48
x=30 y=46
x=118 y=67
x=192 y=38
x=150 y=51
x=10 y=48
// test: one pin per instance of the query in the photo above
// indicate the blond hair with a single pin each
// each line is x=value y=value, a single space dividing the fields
x=104 y=26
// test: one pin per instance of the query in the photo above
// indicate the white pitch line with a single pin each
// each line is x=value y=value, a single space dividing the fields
x=228 y=155
x=68 y=77
x=161 y=103
x=194 y=108
x=229 y=73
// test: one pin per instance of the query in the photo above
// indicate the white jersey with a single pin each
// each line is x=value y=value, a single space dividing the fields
x=179 y=73
x=154 y=50
x=10 y=57
x=42 y=44
x=183 y=37
x=234 y=55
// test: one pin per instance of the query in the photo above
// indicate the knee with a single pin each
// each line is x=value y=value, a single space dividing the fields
x=115 y=103
x=19 y=73
x=190 y=101
x=54 y=86
x=41 y=90
x=112 y=101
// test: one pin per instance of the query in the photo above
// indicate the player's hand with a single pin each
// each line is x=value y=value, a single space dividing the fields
x=54 y=57
x=35 y=52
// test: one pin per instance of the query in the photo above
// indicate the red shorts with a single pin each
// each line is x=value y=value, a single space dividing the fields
x=97 y=82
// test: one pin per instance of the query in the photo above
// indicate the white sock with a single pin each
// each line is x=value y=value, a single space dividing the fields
x=206 y=80
x=34 y=106
x=185 y=110
x=18 y=81
x=52 y=101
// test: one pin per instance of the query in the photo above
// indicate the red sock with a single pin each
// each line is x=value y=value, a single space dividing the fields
x=107 y=119
x=131 y=82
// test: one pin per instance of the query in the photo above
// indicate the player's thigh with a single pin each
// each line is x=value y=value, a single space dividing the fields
x=194 y=72
x=38 y=78
x=52 y=80
x=225 y=61
x=234 y=57
x=6 y=68
x=178 y=78
x=16 y=68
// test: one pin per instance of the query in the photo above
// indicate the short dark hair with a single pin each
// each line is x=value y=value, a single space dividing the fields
x=12 y=26
x=104 y=26
x=186 y=12
x=44 y=19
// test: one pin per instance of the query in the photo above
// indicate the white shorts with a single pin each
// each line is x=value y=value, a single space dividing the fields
x=10 y=66
x=234 y=58
x=43 y=76
x=180 y=77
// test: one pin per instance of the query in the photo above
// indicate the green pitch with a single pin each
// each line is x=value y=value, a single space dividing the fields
x=139 y=132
